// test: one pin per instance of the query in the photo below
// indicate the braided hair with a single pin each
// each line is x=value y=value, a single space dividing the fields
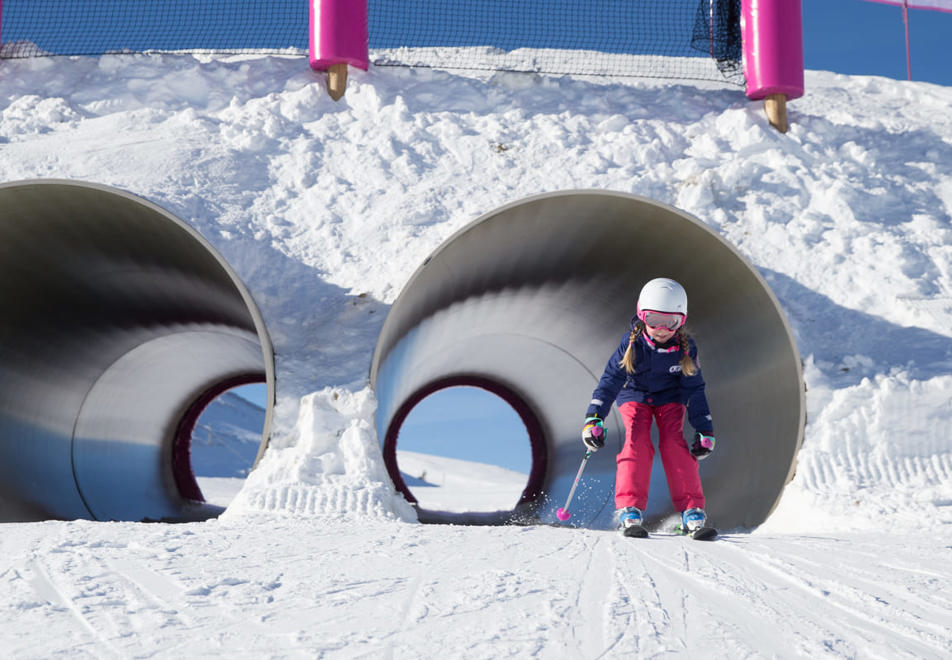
x=688 y=368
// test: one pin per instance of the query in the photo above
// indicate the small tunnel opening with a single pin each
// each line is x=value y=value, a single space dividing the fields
x=219 y=439
x=466 y=450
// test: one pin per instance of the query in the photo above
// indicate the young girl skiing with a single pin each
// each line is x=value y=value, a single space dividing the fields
x=655 y=374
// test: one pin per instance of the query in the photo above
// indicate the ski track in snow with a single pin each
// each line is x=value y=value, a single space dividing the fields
x=137 y=591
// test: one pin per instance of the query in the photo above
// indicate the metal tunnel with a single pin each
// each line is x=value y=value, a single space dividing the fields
x=530 y=300
x=119 y=324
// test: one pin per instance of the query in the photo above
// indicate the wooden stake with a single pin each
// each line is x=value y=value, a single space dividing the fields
x=776 y=107
x=337 y=80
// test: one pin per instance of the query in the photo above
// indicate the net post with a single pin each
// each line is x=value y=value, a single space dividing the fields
x=337 y=80
x=775 y=105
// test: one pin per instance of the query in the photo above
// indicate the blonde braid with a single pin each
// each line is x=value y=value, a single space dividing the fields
x=628 y=360
x=688 y=367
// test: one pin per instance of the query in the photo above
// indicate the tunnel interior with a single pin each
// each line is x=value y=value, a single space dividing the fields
x=532 y=298
x=119 y=322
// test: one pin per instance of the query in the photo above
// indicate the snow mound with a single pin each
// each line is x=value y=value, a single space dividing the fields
x=331 y=466
x=876 y=455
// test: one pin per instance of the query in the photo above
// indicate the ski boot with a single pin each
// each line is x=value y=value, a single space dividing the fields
x=694 y=524
x=693 y=520
x=629 y=522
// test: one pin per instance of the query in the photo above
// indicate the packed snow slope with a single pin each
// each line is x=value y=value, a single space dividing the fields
x=325 y=209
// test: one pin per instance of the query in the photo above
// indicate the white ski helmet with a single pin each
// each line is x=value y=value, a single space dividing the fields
x=663 y=295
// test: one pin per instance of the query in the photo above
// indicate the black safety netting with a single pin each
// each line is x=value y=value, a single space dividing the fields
x=694 y=39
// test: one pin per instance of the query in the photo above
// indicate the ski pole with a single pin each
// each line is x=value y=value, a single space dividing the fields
x=563 y=513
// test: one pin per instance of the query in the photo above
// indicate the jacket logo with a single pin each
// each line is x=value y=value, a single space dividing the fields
x=676 y=369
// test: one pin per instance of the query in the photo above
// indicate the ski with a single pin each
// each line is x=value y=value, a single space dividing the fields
x=699 y=534
x=704 y=534
x=635 y=532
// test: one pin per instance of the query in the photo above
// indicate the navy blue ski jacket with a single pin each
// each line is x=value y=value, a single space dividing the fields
x=657 y=380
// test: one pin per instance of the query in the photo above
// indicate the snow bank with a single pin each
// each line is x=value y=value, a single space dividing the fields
x=877 y=455
x=330 y=466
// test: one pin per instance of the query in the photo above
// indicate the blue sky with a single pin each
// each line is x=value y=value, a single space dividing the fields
x=868 y=38
x=256 y=393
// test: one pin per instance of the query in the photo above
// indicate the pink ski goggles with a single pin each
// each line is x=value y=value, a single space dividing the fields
x=666 y=320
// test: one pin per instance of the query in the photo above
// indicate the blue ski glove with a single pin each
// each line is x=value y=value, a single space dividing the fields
x=593 y=433
x=703 y=446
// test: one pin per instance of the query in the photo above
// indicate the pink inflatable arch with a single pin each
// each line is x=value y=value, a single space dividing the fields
x=772 y=31
x=338 y=34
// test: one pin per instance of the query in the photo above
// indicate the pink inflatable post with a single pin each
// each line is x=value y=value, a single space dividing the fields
x=338 y=38
x=772 y=31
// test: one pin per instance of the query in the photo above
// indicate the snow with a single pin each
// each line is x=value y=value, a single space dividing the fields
x=448 y=484
x=325 y=209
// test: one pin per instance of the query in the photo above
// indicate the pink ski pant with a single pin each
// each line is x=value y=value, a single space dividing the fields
x=634 y=460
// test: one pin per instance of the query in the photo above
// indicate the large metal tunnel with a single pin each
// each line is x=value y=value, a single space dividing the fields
x=119 y=324
x=530 y=300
